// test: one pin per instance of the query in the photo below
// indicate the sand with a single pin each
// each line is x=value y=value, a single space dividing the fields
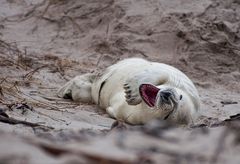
x=45 y=43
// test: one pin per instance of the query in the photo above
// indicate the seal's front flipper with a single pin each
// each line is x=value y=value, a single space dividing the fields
x=131 y=92
x=78 y=89
x=132 y=84
x=131 y=87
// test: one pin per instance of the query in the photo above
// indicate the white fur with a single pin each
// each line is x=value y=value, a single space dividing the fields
x=108 y=92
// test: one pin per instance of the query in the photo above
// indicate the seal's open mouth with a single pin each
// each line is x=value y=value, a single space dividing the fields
x=148 y=93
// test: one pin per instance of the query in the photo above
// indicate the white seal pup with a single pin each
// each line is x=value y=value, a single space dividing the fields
x=136 y=91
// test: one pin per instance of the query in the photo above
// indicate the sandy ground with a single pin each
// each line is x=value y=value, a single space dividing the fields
x=45 y=43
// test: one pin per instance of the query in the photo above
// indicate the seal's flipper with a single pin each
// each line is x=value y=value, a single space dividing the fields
x=78 y=89
x=133 y=84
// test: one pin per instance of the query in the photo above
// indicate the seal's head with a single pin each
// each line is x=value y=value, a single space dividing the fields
x=160 y=98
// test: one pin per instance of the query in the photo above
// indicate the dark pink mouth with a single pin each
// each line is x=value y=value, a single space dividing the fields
x=148 y=93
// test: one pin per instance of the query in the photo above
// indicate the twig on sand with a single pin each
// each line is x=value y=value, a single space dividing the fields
x=228 y=102
x=99 y=60
x=13 y=121
x=14 y=91
x=97 y=10
x=30 y=74
x=51 y=107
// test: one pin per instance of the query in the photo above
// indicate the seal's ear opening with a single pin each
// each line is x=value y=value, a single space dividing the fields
x=148 y=93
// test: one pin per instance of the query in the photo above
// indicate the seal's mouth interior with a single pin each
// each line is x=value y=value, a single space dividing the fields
x=148 y=93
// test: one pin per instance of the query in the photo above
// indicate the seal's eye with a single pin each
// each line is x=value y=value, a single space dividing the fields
x=180 y=98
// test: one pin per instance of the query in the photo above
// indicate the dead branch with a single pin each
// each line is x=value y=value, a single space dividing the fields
x=30 y=74
x=96 y=11
x=13 y=121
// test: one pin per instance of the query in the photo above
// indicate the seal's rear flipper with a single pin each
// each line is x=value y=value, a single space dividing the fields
x=78 y=89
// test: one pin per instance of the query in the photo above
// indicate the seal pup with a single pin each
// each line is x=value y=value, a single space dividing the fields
x=136 y=90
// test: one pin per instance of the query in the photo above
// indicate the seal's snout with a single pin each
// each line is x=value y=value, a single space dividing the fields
x=165 y=95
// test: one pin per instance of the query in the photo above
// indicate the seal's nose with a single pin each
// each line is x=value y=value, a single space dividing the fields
x=165 y=95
